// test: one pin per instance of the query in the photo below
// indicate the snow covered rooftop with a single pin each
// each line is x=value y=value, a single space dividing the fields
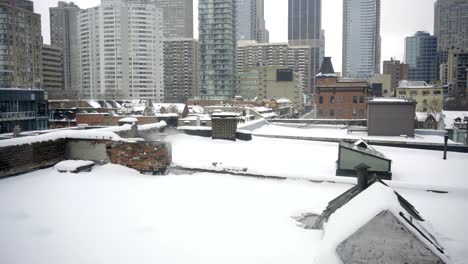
x=129 y=120
x=116 y=215
x=450 y=116
x=390 y=100
x=415 y=85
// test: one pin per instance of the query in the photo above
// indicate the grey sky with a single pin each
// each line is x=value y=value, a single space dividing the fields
x=400 y=18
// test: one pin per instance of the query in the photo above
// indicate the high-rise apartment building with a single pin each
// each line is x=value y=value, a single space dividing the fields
x=397 y=70
x=217 y=37
x=20 y=45
x=52 y=72
x=64 y=34
x=457 y=73
x=361 y=38
x=305 y=29
x=177 y=18
x=181 y=70
x=251 y=21
x=121 y=50
x=421 y=57
x=298 y=58
x=450 y=26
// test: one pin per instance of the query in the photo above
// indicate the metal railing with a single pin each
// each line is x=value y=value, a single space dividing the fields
x=11 y=116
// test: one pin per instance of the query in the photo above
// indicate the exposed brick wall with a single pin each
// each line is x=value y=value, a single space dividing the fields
x=154 y=157
x=24 y=158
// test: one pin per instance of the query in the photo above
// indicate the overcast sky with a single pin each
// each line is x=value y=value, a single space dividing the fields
x=400 y=18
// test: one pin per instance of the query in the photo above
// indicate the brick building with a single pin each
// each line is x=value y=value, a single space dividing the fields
x=340 y=98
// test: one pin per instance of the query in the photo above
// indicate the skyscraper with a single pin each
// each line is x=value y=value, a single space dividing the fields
x=450 y=26
x=421 y=56
x=21 y=41
x=251 y=21
x=305 y=29
x=121 y=50
x=361 y=38
x=217 y=37
x=64 y=34
x=52 y=72
x=181 y=70
x=177 y=18
x=397 y=70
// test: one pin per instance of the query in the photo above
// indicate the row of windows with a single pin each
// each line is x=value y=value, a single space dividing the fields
x=339 y=113
x=340 y=99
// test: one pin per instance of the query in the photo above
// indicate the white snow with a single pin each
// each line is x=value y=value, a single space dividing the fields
x=450 y=116
x=129 y=120
x=93 y=103
x=63 y=134
x=341 y=132
x=313 y=160
x=389 y=100
x=359 y=211
x=72 y=165
x=116 y=215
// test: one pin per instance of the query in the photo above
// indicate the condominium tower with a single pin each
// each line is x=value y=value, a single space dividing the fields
x=64 y=34
x=20 y=45
x=305 y=29
x=217 y=36
x=181 y=69
x=52 y=72
x=361 y=38
x=177 y=18
x=450 y=26
x=421 y=57
x=251 y=21
x=121 y=50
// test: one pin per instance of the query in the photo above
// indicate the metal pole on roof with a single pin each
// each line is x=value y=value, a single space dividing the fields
x=445 y=146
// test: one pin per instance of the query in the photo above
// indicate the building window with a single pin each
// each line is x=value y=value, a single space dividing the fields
x=320 y=113
x=425 y=93
x=361 y=99
x=321 y=100
x=361 y=114
x=332 y=113
x=354 y=99
x=414 y=93
x=340 y=99
x=401 y=92
x=340 y=112
x=332 y=100
x=437 y=92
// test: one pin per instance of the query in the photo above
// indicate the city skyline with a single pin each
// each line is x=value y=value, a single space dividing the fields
x=398 y=17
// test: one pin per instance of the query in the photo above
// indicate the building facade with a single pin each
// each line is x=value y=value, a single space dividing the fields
x=251 y=21
x=298 y=58
x=397 y=70
x=20 y=45
x=177 y=18
x=272 y=82
x=217 y=38
x=181 y=70
x=421 y=57
x=361 y=38
x=381 y=85
x=23 y=108
x=305 y=29
x=457 y=73
x=52 y=72
x=450 y=26
x=428 y=98
x=64 y=34
x=121 y=51
x=340 y=98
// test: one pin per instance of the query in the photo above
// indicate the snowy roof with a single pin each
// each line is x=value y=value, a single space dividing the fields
x=93 y=103
x=196 y=109
x=129 y=120
x=169 y=107
x=450 y=116
x=226 y=114
x=283 y=100
x=423 y=116
x=391 y=100
x=415 y=85
x=377 y=198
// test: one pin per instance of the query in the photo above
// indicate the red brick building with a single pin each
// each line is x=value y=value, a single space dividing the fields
x=340 y=98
